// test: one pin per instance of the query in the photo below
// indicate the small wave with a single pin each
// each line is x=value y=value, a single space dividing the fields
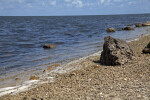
x=59 y=42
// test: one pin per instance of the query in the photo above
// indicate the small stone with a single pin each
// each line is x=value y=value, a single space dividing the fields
x=110 y=29
x=73 y=73
x=138 y=24
x=125 y=79
x=127 y=28
x=48 y=46
x=53 y=66
x=146 y=24
x=147 y=49
x=44 y=71
x=34 y=78
x=16 y=79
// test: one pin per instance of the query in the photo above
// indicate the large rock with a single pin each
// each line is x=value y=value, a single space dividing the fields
x=147 y=49
x=110 y=29
x=48 y=46
x=146 y=24
x=115 y=52
x=128 y=28
x=138 y=24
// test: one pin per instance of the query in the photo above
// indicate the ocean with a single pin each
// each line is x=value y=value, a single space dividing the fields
x=22 y=38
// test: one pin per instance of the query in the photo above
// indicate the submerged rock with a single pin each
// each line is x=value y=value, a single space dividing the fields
x=48 y=46
x=130 y=25
x=53 y=66
x=16 y=79
x=147 y=49
x=34 y=78
x=138 y=24
x=110 y=29
x=115 y=52
x=146 y=24
x=127 y=28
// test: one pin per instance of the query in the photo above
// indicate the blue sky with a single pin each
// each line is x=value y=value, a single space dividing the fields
x=72 y=7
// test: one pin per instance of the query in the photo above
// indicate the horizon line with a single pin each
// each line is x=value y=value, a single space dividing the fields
x=71 y=15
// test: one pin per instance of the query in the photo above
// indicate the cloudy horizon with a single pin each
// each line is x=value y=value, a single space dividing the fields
x=72 y=7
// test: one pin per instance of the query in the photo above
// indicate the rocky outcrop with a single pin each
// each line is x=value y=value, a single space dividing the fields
x=147 y=49
x=128 y=28
x=138 y=24
x=115 y=52
x=48 y=46
x=146 y=24
x=110 y=29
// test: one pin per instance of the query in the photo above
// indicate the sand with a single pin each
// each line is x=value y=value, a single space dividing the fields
x=93 y=81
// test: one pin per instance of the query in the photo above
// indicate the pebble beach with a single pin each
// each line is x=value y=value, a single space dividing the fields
x=93 y=81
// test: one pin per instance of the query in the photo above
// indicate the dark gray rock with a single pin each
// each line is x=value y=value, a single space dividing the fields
x=48 y=46
x=146 y=24
x=128 y=28
x=138 y=24
x=110 y=29
x=147 y=49
x=115 y=52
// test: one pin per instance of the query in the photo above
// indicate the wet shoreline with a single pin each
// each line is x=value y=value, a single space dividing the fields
x=77 y=69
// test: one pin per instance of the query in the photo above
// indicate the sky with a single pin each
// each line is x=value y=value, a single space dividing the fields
x=72 y=7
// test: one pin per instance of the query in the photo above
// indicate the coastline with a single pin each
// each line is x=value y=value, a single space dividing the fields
x=88 y=79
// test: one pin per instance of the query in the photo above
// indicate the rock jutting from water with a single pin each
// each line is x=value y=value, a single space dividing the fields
x=138 y=24
x=110 y=29
x=48 y=46
x=128 y=28
x=115 y=52
x=147 y=49
x=146 y=24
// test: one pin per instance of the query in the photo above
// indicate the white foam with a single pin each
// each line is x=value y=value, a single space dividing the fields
x=19 y=88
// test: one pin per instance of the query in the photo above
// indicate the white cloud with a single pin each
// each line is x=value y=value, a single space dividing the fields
x=29 y=5
x=20 y=1
x=77 y=3
x=67 y=0
x=53 y=3
x=117 y=0
x=101 y=1
x=131 y=3
x=122 y=5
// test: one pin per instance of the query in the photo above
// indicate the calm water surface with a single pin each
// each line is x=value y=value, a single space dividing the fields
x=21 y=38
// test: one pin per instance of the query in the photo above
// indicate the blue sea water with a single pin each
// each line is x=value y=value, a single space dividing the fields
x=21 y=38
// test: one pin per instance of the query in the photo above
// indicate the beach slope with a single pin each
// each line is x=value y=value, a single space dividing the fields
x=93 y=81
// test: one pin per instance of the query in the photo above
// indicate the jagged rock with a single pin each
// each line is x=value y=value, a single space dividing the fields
x=110 y=29
x=115 y=52
x=48 y=46
x=127 y=28
x=147 y=49
x=146 y=24
x=138 y=24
